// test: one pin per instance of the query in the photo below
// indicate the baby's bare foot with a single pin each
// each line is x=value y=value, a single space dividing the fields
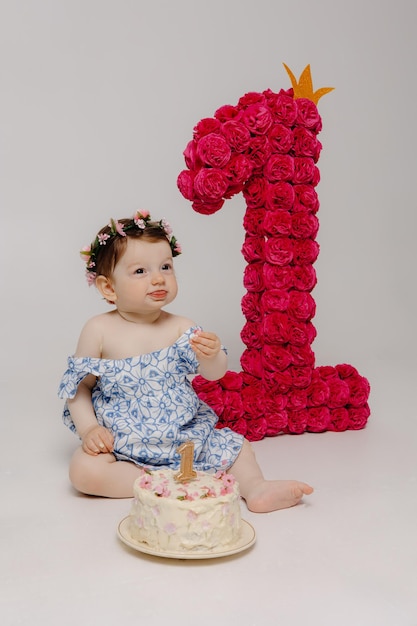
x=272 y=495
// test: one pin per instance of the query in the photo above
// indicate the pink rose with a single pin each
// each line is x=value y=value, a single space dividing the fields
x=190 y=156
x=254 y=192
x=277 y=277
x=276 y=358
x=279 y=196
x=279 y=250
x=251 y=362
x=185 y=183
x=210 y=184
x=304 y=277
x=252 y=97
x=301 y=306
x=237 y=135
x=275 y=300
x=257 y=118
x=213 y=150
x=253 y=249
x=306 y=144
x=279 y=167
x=232 y=381
x=297 y=421
x=308 y=115
x=277 y=223
x=253 y=221
x=318 y=419
x=304 y=224
x=306 y=198
x=305 y=251
x=280 y=138
x=205 y=126
x=276 y=328
x=259 y=151
x=253 y=277
x=251 y=307
x=284 y=109
x=226 y=113
x=207 y=208
x=305 y=171
x=251 y=335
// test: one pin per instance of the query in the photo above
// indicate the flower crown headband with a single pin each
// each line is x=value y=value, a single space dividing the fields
x=140 y=221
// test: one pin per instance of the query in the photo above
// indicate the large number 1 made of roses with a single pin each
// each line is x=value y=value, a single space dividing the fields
x=267 y=148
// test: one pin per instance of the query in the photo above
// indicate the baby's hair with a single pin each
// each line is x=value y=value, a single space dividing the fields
x=110 y=243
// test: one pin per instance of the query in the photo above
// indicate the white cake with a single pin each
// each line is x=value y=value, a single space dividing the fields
x=200 y=515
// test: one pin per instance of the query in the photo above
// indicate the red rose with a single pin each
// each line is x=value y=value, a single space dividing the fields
x=214 y=399
x=251 y=306
x=277 y=277
x=284 y=108
x=275 y=402
x=185 y=183
x=359 y=389
x=240 y=426
x=301 y=306
x=278 y=382
x=279 y=167
x=279 y=250
x=279 y=196
x=317 y=392
x=251 y=362
x=276 y=358
x=256 y=429
x=308 y=115
x=318 y=419
x=305 y=171
x=253 y=249
x=226 y=113
x=339 y=393
x=252 y=392
x=205 y=126
x=190 y=156
x=233 y=408
x=281 y=138
x=251 y=335
x=275 y=300
x=231 y=381
x=304 y=224
x=303 y=355
x=238 y=170
x=306 y=198
x=301 y=376
x=257 y=118
x=306 y=143
x=253 y=277
x=297 y=421
x=259 y=151
x=214 y=150
x=210 y=184
x=237 y=135
x=254 y=192
x=277 y=223
x=276 y=422
x=297 y=399
x=339 y=419
x=202 y=384
x=301 y=333
x=252 y=97
x=306 y=251
x=358 y=417
x=325 y=372
x=344 y=370
x=304 y=277
x=253 y=221
x=276 y=328
x=207 y=208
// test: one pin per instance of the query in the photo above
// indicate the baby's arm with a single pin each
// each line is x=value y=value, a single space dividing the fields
x=212 y=359
x=95 y=438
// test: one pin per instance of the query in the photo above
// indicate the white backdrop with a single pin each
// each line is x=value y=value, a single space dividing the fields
x=98 y=99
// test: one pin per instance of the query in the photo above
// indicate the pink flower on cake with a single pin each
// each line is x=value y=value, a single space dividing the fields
x=170 y=528
x=145 y=481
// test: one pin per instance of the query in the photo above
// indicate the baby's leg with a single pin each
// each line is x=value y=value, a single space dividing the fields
x=102 y=475
x=263 y=495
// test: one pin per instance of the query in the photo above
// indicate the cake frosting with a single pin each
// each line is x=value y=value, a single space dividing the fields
x=200 y=515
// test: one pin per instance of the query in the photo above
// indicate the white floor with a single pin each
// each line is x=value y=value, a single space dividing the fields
x=346 y=557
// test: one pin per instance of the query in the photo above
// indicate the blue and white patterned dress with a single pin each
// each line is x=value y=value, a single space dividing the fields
x=149 y=405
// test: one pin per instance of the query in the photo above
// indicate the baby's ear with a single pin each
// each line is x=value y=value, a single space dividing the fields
x=105 y=287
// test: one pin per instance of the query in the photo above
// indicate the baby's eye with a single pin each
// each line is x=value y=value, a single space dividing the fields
x=140 y=270
x=167 y=267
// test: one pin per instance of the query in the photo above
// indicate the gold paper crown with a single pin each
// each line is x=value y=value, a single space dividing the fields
x=303 y=88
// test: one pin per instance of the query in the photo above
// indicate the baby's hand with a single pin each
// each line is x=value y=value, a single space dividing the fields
x=96 y=440
x=205 y=345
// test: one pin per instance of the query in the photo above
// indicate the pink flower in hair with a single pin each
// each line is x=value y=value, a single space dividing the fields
x=102 y=238
x=119 y=228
